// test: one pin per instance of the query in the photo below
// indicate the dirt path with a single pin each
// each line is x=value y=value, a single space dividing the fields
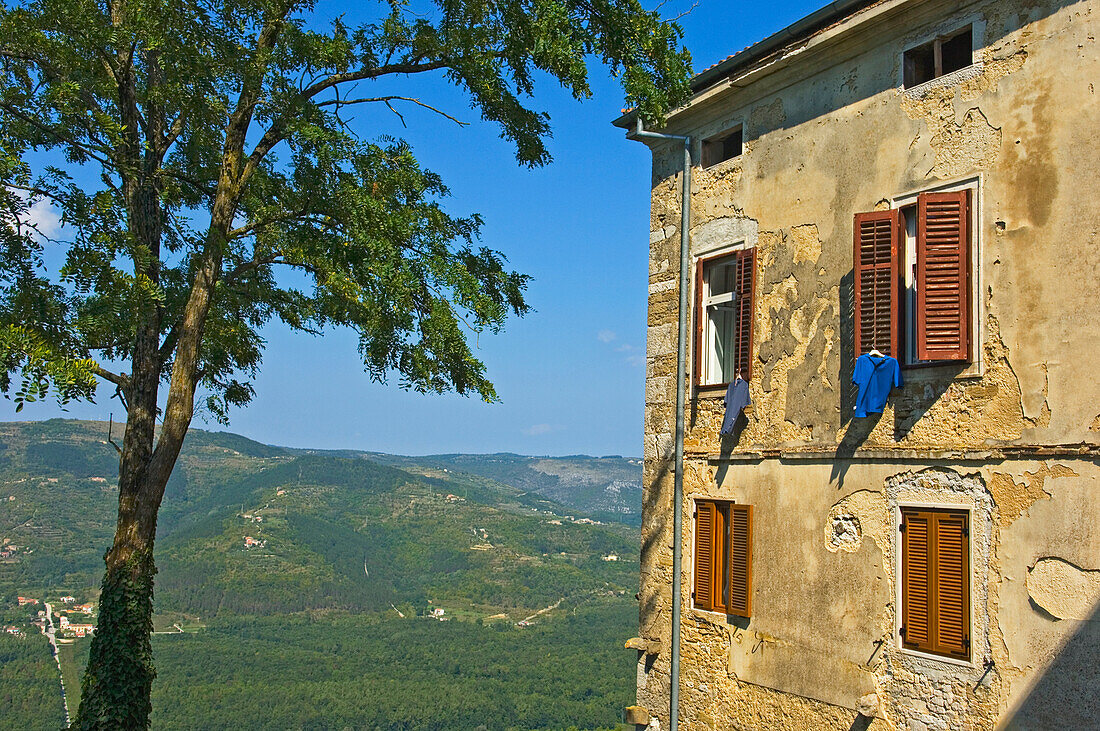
x=544 y=610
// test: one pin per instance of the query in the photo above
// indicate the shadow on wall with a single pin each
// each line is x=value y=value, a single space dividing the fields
x=728 y=443
x=655 y=540
x=1065 y=696
x=855 y=436
x=921 y=389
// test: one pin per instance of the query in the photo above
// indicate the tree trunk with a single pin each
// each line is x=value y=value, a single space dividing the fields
x=115 y=691
x=117 y=682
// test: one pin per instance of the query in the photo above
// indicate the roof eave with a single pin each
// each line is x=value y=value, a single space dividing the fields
x=832 y=13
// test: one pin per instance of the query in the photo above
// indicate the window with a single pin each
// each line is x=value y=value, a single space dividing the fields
x=722 y=147
x=935 y=576
x=941 y=56
x=925 y=249
x=723 y=557
x=724 y=297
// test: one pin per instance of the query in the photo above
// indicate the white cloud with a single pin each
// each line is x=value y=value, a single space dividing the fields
x=637 y=360
x=45 y=217
x=606 y=336
x=42 y=215
x=536 y=429
x=624 y=348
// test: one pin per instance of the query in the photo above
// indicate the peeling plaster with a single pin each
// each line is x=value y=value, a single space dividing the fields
x=1014 y=498
x=1064 y=590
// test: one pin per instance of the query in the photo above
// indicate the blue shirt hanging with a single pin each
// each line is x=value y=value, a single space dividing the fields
x=737 y=398
x=875 y=376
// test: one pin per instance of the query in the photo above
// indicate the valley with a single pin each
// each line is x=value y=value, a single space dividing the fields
x=312 y=589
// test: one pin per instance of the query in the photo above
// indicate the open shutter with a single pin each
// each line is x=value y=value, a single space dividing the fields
x=943 y=277
x=877 y=268
x=704 y=554
x=916 y=579
x=700 y=314
x=740 y=560
x=952 y=585
x=746 y=280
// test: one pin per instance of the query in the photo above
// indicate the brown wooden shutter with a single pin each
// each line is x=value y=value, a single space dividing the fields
x=877 y=273
x=952 y=585
x=943 y=276
x=916 y=579
x=704 y=554
x=697 y=351
x=746 y=281
x=936 y=581
x=740 y=561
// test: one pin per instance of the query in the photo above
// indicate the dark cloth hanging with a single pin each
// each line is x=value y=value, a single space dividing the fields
x=875 y=376
x=737 y=398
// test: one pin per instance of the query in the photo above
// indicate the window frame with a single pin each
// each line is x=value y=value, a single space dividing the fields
x=722 y=590
x=936 y=42
x=718 y=140
x=899 y=599
x=907 y=296
x=738 y=251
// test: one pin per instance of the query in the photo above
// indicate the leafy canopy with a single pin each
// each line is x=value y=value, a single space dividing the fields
x=237 y=110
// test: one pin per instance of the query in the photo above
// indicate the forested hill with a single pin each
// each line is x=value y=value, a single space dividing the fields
x=608 y=488
x=279 y=562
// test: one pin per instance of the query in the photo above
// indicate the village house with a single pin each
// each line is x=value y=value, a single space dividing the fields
x=80 y=630
x=920 y=179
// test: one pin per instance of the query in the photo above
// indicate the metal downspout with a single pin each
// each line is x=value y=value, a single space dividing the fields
x=681 y=388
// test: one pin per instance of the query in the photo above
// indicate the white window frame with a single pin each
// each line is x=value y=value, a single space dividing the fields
x=706 y=354
x=946 y=30
x=898 y=560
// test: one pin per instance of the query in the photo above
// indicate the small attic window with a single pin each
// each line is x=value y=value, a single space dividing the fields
x=722 y=147
x=939 y=57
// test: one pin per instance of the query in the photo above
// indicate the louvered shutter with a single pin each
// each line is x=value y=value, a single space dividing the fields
x=700 y=315
x=740 y=560
x=952 y=585
x=877 y=268
x=943 y=278
x=704 y=554
x=746 y=280
x=916 y=579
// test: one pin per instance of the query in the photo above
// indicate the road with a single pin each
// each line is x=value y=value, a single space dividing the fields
x=51 y=634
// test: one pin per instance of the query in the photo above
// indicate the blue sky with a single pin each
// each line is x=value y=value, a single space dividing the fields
x=570 y=375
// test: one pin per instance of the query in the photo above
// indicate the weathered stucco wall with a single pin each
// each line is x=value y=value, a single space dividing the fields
x=1013 y=437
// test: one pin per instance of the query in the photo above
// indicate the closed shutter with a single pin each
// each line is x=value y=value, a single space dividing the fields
x=952 y=585
x=916 y=579
x=936 y=582
x=740 y=560
x=943 y=279
x=746 y=279
x=704 y=554
x=877 y=267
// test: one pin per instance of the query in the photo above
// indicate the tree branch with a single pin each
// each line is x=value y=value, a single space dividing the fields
x=121 y=381
x=89 y=151
x=393 y=97
x=276 y=133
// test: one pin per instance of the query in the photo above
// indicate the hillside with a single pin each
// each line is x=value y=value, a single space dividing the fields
x=291 y=569
x=608 y=488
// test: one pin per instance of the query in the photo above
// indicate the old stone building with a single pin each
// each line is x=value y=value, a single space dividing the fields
x=920 y=178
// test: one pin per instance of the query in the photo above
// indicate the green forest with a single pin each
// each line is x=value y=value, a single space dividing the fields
x=329 y=590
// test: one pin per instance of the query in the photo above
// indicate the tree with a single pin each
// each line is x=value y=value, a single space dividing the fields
x=195 y=149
